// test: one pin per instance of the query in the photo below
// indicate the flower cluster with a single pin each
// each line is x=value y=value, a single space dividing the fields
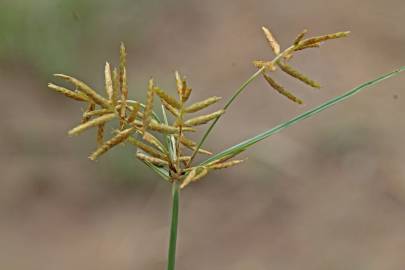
x=282 y=58
x=165 y=147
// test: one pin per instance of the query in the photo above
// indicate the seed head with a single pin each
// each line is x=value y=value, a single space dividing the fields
x=323 y=38
x=153 y=160
x=148 y=149
x=147 y=114
x=224 y=165
x=69 y=93
x=296 y=74
x=200 y=120
x=281 y=89
x=108 y=82
x=92 y=94
x=201 y=104
x=272 y=41
x=117 y=139
x=300 y=37
x=166 y=97
x=92 y=123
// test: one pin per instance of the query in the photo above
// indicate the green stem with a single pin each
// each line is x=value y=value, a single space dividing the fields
x=237 y=93
x=234 y=96
x=173 y=227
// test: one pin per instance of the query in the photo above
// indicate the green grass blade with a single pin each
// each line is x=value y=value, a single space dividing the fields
x=160 y=171
x=173 y=227
x=229 y=102
x=249 y=142
x=170 y=141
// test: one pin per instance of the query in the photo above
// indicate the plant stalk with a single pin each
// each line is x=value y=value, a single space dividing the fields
x=173 y=227
x=236 y=94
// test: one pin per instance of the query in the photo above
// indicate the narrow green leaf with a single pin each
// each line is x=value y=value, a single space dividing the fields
x=160 y=171
x=169 y=139
x=249 y=142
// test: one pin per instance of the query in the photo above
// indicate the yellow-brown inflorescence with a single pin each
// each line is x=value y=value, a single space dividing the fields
x=138 y=123
x=282 y=57
x=163 y=145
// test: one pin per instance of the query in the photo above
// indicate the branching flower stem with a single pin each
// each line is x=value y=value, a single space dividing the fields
x=237 y=93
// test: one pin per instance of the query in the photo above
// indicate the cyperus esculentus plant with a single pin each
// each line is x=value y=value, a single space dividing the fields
x=165 y=147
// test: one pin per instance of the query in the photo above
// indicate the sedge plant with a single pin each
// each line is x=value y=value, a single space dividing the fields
x=161 y=139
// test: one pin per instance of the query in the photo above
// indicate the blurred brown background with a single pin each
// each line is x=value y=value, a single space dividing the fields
x=328 y=193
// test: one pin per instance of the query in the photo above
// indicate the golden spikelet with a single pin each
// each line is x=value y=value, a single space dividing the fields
x=170 y=108
x=203 y=172
x=86 y=90
x=153 y=160
x=225 y=158
x=99 y=112
x=135 y=109
x=92 y=123
x=100 y=134
x=188 y=178
x=166 y=129
x=123 y=63
x=148 y=137
x=117 y=139
x=186 y=92
x=272 y=41
x=300 y=37
x=108 y=82
x=179 y=82
x=124 y=87
x=224 y=165
x=281 y=90
x=69 y=93
x=200 y=120
x=266 y=64
x=202 y=104
x=147 y=114
x=296 y=74
x=323 y=38
x=166 y=97
x=182 y=89
x=146 y=148
x=192 y=145
x=124 y=97
x=116 y=87
x=300 y=48
x=90 y=108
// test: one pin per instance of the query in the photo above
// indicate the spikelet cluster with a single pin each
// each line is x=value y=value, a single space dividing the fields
x=165 y=145
x=282 y=59
x=138 y=125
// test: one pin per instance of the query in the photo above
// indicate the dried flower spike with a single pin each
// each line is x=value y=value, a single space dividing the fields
x=153 y=160
x=300 y=37
x=167 y=98
x=108 y=82
x=69 y=93
x=92 y=123
x=282 y=90
x=201 y=104
x=147 y=114
x=296 y=74
x=117 y=139
x=200 y=120
x=272 y=41
x=86 y=90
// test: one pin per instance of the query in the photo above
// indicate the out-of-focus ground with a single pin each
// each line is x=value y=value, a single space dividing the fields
x=328 y=193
